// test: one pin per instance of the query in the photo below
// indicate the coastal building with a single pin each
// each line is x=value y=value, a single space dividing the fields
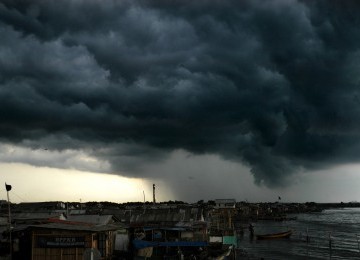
x=222 y=215
x=225 y=204
x=171 y=232
x=222 y=231
x=40 y=206
x=63 y=239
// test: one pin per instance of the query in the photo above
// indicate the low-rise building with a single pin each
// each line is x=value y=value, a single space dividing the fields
x=60 y=239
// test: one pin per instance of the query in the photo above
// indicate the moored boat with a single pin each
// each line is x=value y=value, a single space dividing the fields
x=285 y=234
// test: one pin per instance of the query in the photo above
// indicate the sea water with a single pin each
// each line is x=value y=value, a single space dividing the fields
x=330 y=234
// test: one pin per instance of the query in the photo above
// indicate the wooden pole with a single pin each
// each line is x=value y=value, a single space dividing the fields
x=330 y=244
x=32 y=244
x=144 y=196
x=9 y=220
x=307 y=235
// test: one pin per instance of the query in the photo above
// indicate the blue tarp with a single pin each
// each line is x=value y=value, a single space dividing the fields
x=138 y=244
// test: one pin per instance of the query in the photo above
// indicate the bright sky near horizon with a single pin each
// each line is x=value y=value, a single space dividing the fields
x=249 y=100
x=31 y=184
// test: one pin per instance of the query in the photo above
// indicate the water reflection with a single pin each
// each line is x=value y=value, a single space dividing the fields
x=330 y=234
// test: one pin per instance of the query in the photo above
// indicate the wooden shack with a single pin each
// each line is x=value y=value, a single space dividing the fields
x=64 y=241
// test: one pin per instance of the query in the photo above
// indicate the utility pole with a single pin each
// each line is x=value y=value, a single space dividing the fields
x=8 y=188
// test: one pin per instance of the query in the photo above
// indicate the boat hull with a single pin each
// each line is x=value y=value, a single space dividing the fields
x=285 y=234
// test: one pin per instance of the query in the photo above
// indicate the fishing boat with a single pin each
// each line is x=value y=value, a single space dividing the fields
x=285 y=234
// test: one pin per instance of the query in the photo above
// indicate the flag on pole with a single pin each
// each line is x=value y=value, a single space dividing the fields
x=7 y=187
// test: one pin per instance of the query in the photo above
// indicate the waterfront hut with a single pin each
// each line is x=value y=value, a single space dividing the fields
x=64 y=240
x=222 y=237
x=169 y=232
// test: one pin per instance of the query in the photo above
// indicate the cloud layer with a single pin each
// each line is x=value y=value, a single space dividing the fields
x=271 y=84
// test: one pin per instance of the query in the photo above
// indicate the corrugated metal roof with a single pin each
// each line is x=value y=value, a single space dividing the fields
x=166 y=215
x=77 y=211
x=36 y=216
x=93 y=219
x=64 y=226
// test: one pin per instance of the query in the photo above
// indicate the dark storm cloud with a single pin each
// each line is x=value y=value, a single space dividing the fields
x=273 y=84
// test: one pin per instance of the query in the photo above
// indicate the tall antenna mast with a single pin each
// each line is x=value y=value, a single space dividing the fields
x=154 y=200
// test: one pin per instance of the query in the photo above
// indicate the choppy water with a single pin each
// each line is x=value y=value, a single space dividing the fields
x=333 y=234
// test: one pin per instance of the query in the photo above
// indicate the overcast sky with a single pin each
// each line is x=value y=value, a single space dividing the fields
x=208 y=99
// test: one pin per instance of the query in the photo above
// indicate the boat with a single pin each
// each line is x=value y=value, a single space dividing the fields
x=221 y=254
x=285 y=234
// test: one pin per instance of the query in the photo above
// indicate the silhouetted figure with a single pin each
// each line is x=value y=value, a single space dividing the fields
x=251 y=230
